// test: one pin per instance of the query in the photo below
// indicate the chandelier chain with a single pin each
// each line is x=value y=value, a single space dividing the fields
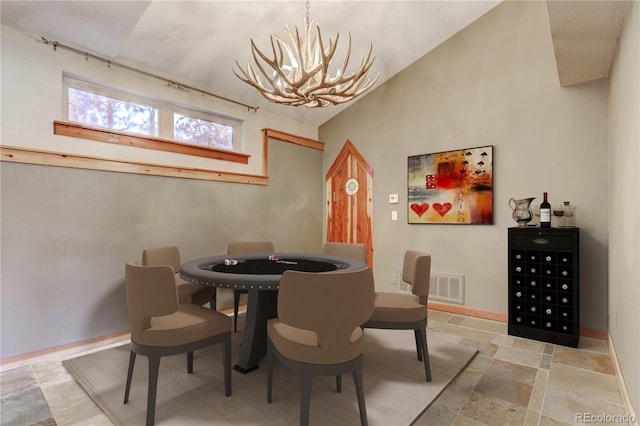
x=307 y=16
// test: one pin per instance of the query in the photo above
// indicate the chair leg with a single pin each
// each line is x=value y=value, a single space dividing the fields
x=236 y=305
x=212 y=303
x=418 y=345
x=189 y=362
x=357 y=380
x=154 y=367
x=339 y=383
x=421 y=339
x=132 y=362
x=269 y=372
x=305 y=399
x=226 y=359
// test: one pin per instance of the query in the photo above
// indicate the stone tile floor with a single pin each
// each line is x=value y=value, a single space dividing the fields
x=511 y=381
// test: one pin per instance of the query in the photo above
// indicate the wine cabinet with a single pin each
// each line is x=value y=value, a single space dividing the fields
x=544 y=284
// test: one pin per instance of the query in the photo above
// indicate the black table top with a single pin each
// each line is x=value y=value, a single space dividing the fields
x=270 y=267
x=258 y=271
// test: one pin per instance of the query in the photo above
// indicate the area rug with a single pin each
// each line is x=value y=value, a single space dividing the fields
x=396 y=392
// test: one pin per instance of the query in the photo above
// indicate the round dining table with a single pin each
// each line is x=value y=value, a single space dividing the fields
x=259 y=274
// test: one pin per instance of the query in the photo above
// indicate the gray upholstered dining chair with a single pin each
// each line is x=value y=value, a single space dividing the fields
x=350 y=250
x=245 y=247
x=311 y=343
x=408 y=311
x=187 y=292
x=160 y=326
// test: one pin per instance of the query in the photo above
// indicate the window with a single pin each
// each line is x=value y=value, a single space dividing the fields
x=96 y=105
x=202 y=132
x=118 y=114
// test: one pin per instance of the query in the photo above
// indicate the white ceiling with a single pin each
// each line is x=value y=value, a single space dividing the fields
x=585 y=35
x=197 y=42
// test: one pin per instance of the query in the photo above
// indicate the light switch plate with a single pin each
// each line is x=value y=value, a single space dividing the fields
x=393 y=198
x=394 y=215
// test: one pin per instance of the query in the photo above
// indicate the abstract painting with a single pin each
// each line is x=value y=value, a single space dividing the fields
x=452 y=187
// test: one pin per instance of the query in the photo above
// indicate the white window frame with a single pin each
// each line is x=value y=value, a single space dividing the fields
x=206 y=115
x=166 y=109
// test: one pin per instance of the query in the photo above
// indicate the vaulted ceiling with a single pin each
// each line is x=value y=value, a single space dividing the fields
x=584 y=35
x=197 y=42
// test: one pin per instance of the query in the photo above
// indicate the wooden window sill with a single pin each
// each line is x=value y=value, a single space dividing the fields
x=82 y=131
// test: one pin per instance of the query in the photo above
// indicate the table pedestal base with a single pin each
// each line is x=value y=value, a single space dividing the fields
x=261 y=306
x=245 y=371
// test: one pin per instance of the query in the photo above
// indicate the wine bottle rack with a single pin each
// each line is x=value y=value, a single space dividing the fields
x=544 y=284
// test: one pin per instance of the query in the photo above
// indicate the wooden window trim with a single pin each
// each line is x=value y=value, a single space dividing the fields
x=76 y=161
x=24 y=155
x=291 y=138
x=82 y=131
x=284 y=137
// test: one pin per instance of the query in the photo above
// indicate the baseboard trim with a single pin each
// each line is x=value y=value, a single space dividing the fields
x=472 y=312
x=27 y=358
x=497 y=316
x=622 y=386
x=594 y=333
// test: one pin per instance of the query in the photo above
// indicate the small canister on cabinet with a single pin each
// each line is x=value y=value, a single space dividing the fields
x=568 y=219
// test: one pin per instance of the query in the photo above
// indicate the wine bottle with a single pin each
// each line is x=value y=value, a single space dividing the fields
x=545 y=212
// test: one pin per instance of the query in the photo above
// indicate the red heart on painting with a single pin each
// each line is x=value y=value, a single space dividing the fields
x=420 y=208
x=442 y=209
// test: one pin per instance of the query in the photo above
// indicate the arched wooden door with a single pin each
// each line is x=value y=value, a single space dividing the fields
x=349 y=195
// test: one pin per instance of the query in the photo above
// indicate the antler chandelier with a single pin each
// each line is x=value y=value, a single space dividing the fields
x=299 y=75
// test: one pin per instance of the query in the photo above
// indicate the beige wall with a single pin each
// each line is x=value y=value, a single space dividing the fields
x=494 y=83
x=624 y=202
x=67 y=233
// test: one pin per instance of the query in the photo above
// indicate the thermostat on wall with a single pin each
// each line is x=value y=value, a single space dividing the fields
x=393 y=198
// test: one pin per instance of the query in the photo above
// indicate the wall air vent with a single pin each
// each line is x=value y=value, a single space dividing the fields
x=447 y=287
